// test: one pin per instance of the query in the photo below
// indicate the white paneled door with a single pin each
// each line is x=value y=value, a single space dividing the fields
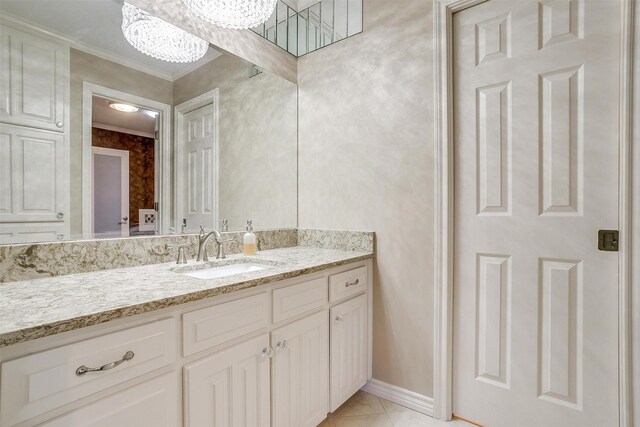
x=33 y=185
x=197 y=169
x=536 y=176
x=32 y=182
x=110 y=192
x=34 y=79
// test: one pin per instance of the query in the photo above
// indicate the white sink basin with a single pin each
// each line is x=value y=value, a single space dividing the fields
x=226 y=270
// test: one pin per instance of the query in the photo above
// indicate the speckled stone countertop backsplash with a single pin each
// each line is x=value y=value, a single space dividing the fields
x=344 y=240
x=39 y=260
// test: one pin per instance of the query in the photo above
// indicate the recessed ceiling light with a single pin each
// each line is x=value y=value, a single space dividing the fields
x=121 y=106
x=149 y=113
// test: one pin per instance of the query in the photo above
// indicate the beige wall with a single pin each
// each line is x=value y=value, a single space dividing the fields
x=92 y=69
x=257 y=141
x=366 y=162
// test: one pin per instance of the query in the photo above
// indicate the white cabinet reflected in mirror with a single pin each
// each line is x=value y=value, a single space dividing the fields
x=99 y=140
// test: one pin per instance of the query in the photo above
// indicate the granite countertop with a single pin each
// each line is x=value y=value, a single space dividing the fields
x=38 y=308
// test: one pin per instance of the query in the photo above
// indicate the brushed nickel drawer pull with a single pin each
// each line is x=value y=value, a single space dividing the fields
x=83 y=369
x=346 y=285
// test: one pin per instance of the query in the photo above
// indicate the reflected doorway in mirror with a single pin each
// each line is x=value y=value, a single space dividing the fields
x=150 y=168
x=197 y=162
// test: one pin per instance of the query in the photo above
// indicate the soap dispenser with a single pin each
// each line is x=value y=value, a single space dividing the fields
x=249 y=240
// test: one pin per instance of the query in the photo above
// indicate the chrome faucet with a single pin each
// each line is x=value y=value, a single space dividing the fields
x=202 y=244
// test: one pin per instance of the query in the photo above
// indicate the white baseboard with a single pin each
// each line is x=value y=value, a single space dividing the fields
x=401 y=396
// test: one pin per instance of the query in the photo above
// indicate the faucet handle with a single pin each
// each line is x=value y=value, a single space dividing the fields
x=221 y=254
x=182 y=258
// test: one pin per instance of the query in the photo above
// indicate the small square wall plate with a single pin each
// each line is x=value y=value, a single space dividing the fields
x=147 y=219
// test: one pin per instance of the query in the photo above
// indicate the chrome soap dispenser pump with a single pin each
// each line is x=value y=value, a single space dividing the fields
x=249 y=240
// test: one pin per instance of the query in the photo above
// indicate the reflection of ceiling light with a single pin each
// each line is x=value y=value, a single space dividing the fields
x=121 y=106
x=236 y=14
x=159 y=39
x=153 y=114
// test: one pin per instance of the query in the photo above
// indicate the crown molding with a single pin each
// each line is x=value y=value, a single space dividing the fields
x=113 y=57
x=32 y=28
x=194 y=66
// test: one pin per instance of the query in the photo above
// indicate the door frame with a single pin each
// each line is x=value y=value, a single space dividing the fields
x=211 y=97
x=443 y=11
x=634 y=349
x=124 y=183
x=164 y=142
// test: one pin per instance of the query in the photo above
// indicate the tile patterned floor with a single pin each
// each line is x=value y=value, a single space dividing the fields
x=367 y=410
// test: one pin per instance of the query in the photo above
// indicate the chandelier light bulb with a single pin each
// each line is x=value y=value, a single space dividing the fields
x=159 y=39
x=234 y=14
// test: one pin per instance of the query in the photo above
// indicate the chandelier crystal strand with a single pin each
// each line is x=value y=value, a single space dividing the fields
x=234 y=14
x=159 y=39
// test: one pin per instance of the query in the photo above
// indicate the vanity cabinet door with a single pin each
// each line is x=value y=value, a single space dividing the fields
x=230 y=388
x=300 y=372
x=34 y=80
x=151 y=404
x=348 y=349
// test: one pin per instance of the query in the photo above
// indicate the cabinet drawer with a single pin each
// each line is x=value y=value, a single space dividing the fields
x=38 y=383
x=347 y=283
x=211 y=326
x=299 y=298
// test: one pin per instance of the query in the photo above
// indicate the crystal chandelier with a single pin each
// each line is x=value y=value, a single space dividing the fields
x=159 y=39
x=235 y=14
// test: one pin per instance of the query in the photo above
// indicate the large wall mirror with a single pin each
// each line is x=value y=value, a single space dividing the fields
x=98 y=140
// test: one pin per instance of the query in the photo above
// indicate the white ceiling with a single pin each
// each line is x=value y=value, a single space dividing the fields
x=94 y=26
x=105 y=117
